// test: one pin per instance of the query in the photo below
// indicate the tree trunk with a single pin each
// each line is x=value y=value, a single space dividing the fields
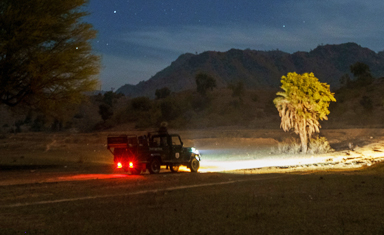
x=303 y=137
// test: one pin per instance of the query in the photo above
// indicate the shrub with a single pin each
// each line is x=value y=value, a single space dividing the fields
x=255 y=98
x=18 y=125
x=169 y=110
x=237 y=88
x=290 y=145
x=199 y=103
x=57 y=125
x=39 y=123
x=28 y=118
x=366 y=102
x=141 y=103
x=78 y=116
x=319 y=145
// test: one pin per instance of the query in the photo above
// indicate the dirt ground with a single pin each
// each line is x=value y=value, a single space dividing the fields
x=322 y=202
x=66 y=184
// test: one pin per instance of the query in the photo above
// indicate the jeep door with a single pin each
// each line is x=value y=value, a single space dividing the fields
x=165 y=144
x=177 y=149
x=161 y=143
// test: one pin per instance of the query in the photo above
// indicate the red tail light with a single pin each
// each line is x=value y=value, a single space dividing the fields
x=130 y=165
x=119 y=165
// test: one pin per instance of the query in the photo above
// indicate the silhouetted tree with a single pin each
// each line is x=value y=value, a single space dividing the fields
x=362 y=74
x=204 y=83
x=162 y=93
x=105 y=111
x=111 y=97
x=237 y=89
x=359 y=69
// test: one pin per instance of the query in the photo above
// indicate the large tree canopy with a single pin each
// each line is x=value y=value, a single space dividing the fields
x=302 y=104
x=45 y=52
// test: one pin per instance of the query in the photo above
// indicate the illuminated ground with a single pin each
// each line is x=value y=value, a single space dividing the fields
x=263 y=159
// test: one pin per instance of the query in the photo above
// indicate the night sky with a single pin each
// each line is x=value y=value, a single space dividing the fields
x=138 y=38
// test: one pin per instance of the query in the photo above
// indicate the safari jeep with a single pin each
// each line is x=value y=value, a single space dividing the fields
x=137 y=153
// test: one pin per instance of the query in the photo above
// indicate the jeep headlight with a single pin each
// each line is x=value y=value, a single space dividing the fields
x=195 y=151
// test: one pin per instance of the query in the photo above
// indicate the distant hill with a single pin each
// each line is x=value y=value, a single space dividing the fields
x=259 y=69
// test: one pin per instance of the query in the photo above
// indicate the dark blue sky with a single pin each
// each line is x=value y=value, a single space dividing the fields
x=138 y=38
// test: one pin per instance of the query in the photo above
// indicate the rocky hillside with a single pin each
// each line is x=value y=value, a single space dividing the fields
x=259 y=69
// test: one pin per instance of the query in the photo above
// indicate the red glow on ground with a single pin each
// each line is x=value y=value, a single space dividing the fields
x=91 y=177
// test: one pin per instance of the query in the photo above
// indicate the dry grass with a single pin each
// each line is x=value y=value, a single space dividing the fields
x=45 y=149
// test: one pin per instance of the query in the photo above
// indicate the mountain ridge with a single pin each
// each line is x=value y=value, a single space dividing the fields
x=258 y=69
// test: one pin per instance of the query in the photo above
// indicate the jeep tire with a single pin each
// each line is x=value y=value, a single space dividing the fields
x=154 y=166
x=194 y=165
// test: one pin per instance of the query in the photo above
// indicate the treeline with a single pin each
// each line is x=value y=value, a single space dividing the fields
x=360 y=102
x=206 y=106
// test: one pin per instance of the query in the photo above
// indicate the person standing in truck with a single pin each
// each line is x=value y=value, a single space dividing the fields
x=163 y=131
x=163 y=128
